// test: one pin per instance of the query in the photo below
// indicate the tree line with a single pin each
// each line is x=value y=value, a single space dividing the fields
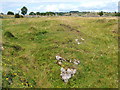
x=24 y=11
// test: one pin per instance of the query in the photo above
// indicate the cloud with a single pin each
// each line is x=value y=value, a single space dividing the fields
x=60 y=5
x=56 y=7
x=38 y=1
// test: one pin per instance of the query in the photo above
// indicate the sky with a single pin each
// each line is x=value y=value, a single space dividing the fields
x=59 y=5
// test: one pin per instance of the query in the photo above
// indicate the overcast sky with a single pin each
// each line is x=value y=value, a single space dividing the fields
x=59 y=5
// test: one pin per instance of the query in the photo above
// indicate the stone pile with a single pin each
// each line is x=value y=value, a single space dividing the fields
x=67 y=73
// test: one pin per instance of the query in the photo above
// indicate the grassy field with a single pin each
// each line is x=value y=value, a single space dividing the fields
x=31 y=44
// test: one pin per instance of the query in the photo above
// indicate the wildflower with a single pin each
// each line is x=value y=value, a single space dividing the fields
x=15 y=73
x=7 y=78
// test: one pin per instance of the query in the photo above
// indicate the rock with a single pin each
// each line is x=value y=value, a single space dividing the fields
x=73 y=71
x=69 y=71
x=63 y=70
x=66 y=77
x=60 y=63
x=59 y=58
x=1 y=48
x=76 y=62
x=67 y=74
x=79 y=43
x=76 y=40
x=82 y=39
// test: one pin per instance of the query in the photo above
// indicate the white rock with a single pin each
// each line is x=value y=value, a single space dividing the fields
x=76 y=40
x=68 y=76
x=60 y=63
x=64 y=76
x=74 y=71
x=75 y=62
x=66 y=80
x=82 y=39
x=70 y=60
x=69 y=71
x=78 y=62
x=79 y=42
x=63 y=70
x=58 y=58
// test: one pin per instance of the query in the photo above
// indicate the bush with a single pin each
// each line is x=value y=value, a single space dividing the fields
x=10 y=13
x=21 y=16
x=9 y=34
x=17 y=16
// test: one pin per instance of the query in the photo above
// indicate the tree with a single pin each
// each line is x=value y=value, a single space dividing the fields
x=42 y=14
x=117 y=14
x=10 y=13
x=24 y=10
x=100 y=13
x=32 y=13
x=1 y=13
x=37 y=13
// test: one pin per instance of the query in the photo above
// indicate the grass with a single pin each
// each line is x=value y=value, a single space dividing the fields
x=28 y=58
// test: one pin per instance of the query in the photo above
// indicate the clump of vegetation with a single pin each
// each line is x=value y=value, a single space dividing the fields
x=10 y=13
x=17 y=47
x=100 y=13
x=41 y=33
x=17 y=15
x=9 y=35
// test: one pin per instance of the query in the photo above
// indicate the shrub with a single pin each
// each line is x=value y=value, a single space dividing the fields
x=17 y=15
x=10 y=13
x=9 y=34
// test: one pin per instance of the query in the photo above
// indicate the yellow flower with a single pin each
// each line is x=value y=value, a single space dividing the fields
x=15 y=73
x=22 y=83
x=6 y=78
